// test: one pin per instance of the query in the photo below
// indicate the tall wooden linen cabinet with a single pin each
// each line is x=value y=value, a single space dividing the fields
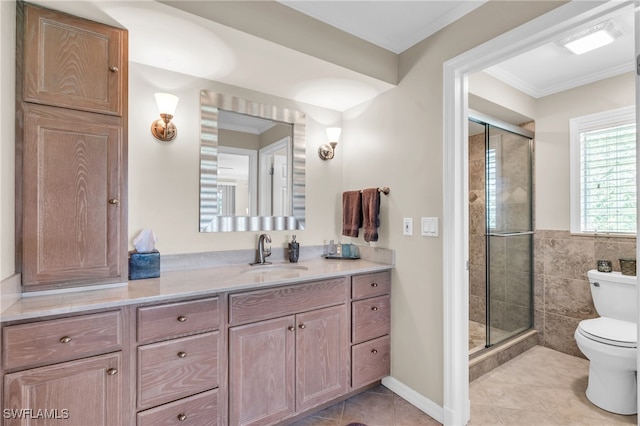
x=71 y=153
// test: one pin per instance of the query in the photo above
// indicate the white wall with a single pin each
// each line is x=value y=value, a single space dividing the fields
x=164 y=177
x=396 y=140
x=7 y=138
x=552 y=141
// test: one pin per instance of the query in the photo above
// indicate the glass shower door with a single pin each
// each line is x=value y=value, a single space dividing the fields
x=509 y=234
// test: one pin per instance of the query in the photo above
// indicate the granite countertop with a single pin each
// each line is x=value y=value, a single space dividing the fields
x=187 y=283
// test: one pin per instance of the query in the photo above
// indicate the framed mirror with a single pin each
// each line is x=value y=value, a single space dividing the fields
x=252 y=165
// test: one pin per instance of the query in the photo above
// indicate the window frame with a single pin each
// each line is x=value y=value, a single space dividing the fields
x=600 y=120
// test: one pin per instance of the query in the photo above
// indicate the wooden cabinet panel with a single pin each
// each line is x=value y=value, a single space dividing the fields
x=261 y=372
x=72 y=62
x=371 y=361
x=368 y=285
x=59 y=340
x=197 y=410
x=177 y=368
x=321 y=356
x=77 y=393
x=74 y=198
x=174 y=319
x=264 y=304
x=371 y=318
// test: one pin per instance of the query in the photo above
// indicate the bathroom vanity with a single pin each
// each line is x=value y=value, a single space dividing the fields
x=225 y=345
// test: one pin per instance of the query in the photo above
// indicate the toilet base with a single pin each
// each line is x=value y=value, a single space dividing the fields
x=613 y=390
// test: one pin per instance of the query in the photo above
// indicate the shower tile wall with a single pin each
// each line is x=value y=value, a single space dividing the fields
x=477 y=220
x=562 y=297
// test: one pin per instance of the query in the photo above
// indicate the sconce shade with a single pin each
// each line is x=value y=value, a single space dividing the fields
x=163 y=129
x=333 y=134
x=327 y=151
x=167 y=103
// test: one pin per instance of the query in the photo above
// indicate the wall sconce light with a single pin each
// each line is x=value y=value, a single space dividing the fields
x=163 y=129
x=327 y=151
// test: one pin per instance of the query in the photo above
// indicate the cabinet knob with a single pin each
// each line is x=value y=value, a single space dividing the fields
x=65 y=339
x=113 y=201
x=291 y=328
x=182 y=318
x=182 y=417
x=374 y=308
x=374 y=351
x=112 y=372
x=113 y=69
x=374 y=284
x=182 y=354
x=302 y=326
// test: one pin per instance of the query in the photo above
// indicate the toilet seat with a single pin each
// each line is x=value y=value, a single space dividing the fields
x=610 y=331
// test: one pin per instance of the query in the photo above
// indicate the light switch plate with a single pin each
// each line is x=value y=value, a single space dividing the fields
x=429 y=226
x=407 y=226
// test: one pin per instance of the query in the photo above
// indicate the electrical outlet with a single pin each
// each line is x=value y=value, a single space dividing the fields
x=407 y=226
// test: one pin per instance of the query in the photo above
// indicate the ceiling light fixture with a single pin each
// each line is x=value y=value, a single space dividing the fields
x=591 y=38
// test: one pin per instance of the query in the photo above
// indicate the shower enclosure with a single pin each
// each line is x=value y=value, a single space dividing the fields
x=500 y=231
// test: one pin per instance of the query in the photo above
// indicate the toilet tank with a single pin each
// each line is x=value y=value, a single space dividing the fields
x=614 y=295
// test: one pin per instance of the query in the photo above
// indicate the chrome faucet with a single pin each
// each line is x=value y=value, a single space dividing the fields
x=262 y=251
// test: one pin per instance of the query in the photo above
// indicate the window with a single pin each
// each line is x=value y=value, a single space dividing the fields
x=603 y=172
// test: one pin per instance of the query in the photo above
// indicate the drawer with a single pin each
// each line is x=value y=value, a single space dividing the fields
x=177 y=368
x=174 y=319
x=371 y=361
x=201 y=409
x=369 y=285
x=371 y=318
x=264 y=304
x=64 y=339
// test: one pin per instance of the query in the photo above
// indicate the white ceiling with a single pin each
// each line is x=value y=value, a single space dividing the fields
x=548 y=69
x=233 y=56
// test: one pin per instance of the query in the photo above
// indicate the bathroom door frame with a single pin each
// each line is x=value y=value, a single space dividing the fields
x=546 y=28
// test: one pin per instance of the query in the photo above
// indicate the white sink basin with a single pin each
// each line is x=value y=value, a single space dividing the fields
x=274 y=268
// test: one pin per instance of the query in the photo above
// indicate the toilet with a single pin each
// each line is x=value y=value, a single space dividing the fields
x=610 y=342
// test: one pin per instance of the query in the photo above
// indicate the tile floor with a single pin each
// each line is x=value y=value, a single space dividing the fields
x=541 y=387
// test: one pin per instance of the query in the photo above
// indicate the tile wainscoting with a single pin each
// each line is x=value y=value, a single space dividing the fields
x=562 y=297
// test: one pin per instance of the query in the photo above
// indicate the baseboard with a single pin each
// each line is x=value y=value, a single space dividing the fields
x=414 y=398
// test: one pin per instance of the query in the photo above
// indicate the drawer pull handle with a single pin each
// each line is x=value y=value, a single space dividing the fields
x=65 y=339
x=374 y=284
x=113 y=69
x=374 y=351
x=113 y=201
x=112 y=372
x=182 y=318
x=302 y=326
x=374 y=308
x=182 y=354
x=182 y=417
x=291 y=328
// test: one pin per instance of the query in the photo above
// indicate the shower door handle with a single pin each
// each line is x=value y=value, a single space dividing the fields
x=510 y=234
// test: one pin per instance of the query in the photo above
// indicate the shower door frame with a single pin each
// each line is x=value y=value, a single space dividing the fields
x=489 y=122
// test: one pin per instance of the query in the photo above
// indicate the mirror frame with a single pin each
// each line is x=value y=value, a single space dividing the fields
x=210 y=221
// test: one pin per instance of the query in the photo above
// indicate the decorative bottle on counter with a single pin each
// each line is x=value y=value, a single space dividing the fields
x=294 y=250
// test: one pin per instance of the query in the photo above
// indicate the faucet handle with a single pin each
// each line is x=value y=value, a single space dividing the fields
x=267 y=251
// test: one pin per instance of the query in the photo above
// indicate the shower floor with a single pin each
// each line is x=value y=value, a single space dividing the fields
x=478 y=336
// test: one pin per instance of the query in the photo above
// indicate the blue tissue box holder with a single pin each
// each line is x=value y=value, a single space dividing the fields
x=144 y=265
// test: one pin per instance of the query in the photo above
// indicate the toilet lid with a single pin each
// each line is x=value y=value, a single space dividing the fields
x=610 y=331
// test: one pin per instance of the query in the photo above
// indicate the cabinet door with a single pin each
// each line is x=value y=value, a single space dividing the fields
x=75 y=393
x=73 y=198
x=261 y=371
x=321 y=356
x=72 y=62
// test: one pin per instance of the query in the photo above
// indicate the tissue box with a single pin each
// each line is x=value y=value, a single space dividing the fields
x=144 y=265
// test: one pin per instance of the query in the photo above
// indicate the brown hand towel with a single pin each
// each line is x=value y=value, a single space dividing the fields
x=370 y=212
x=351 y=213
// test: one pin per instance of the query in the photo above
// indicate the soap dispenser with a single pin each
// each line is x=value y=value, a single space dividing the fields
x=294 y=250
